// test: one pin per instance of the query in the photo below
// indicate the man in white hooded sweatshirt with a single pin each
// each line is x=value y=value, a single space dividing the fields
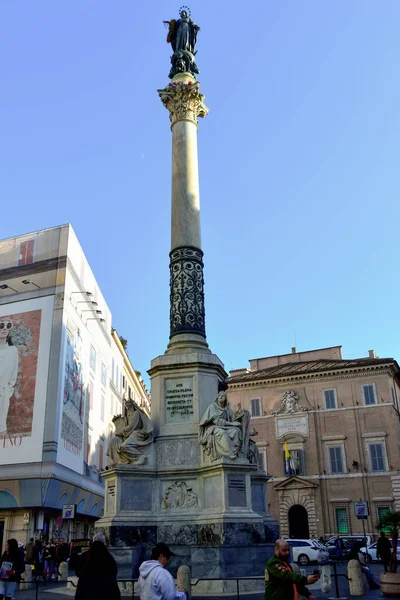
x=155 y=582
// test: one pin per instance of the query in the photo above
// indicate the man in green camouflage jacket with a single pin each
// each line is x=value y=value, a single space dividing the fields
x=281 y=582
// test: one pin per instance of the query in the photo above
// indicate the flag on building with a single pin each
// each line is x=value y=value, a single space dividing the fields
x=287 y=458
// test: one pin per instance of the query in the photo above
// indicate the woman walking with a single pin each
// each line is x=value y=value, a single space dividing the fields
x=97 y=572
x=12 y=566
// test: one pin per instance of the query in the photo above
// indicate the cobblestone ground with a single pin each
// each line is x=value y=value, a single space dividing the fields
x=59 y=591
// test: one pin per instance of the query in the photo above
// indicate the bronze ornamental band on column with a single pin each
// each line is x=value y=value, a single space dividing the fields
x=186 y=291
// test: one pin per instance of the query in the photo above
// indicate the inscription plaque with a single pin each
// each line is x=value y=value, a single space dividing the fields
x=179 y=400
x=285 y=425
x=237 y=490
x=136 y=495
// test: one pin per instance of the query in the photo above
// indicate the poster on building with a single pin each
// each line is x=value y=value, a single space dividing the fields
x=25 y=334
x=73 y=392
x=19 y=347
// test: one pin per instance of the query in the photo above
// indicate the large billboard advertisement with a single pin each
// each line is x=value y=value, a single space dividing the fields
x=25 y=329
x=73 y=392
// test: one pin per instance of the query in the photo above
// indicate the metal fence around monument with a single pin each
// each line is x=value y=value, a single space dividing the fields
x=42 y=587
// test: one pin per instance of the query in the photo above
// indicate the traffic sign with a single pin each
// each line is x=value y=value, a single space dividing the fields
x=361 y=510
x=68 y=511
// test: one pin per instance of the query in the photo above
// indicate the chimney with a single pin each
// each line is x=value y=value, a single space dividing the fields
x=294 y=349
x=371 y=354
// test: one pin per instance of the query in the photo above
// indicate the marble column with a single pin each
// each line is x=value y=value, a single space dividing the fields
x=185 y=104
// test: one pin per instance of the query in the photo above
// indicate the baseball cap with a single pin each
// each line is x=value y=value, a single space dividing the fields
x=163 y=549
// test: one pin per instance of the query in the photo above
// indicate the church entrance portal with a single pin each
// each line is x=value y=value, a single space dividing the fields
x=298 y=522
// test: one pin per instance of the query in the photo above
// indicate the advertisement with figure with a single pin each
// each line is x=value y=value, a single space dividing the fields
x=19 y=346
x=73 y=392
x=25 y=336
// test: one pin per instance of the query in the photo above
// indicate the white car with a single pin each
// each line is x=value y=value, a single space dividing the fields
x=370 y=552
x=305 y=551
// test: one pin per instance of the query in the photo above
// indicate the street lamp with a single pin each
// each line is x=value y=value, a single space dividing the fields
x=4 y=286
x=27 y=281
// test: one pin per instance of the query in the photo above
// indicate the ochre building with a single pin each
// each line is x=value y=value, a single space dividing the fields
x=328 y=435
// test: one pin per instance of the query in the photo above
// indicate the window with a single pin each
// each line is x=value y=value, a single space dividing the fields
x=294 y=465
x=376 y=456
x=102 y=408
x=89 y=443
x=262 y=460
x=26 y=250
x=330 y=398
x=116 y=379
x=112 y=370
x=103 y=374
x=369 y=394
x=342 y=521
x=381 y=511
x=101 y=456
x=255 y=407
x=336 y=459
x=123 y=382
x=91 y=395
x=92 y=358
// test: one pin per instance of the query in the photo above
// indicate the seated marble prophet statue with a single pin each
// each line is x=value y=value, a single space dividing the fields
x=224 y=433
x=132 y=433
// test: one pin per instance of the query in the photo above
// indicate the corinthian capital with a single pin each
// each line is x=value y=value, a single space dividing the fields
x=183 y=100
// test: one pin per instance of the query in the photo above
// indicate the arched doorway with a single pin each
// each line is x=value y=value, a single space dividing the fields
x=298 y=522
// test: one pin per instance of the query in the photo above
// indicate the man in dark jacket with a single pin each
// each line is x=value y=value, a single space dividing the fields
x=281 y=582
x=384 y=550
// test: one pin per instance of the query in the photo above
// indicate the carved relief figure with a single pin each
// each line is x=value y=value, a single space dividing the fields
x=290 y=404
x=179 y=495
x=224 y=432
x=131 y=433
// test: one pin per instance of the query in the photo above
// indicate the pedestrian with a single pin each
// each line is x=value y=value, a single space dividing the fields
x=62 y=552
x=339 y=543
x=281 y=582
x=97 y=572
x=356 y=554
x=49 y=560
x=384 y=550
x=30 y=550
x=155 y=582
x=12 y=566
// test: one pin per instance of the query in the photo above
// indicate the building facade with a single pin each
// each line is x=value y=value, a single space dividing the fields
x=133 y=385
x=61 y=381
x=328 y=434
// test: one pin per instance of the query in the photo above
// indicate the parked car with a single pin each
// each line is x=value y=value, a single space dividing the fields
x=78 y=547
x=370 y=552
x=304 y=551
x=348 y=541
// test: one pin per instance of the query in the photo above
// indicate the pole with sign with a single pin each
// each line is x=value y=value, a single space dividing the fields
x=361 y=511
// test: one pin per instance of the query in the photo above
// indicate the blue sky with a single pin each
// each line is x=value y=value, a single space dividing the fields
x=299 y=163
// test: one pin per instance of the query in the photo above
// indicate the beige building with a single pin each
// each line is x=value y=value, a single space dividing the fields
x=133 y=385
x=328 y=435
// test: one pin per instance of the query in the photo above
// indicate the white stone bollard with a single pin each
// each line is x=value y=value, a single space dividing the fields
x=356 y=578
x=184 y=580
x=26 y=584
x=63 y=571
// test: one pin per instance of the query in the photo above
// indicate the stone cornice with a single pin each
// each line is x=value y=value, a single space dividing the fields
x=334 y=375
